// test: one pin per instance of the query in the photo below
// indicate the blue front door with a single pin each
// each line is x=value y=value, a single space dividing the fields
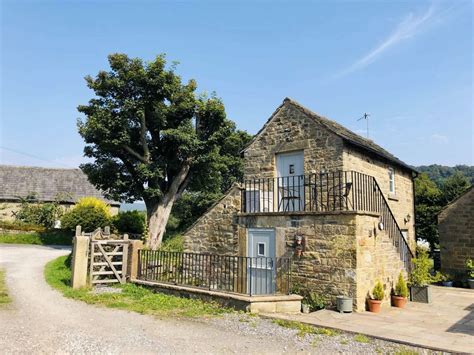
x=261 y=266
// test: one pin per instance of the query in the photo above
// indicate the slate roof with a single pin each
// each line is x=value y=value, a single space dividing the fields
x=347 y=135
x=46 y=184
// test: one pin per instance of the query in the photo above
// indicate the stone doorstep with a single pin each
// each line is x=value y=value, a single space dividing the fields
x=256 y=304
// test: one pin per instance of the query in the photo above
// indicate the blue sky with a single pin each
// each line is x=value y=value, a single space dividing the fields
x=409 y=64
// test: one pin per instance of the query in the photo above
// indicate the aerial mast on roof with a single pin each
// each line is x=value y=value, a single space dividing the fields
x=366 y=117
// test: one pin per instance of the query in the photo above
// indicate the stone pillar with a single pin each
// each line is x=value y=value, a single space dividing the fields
x=132 y=260
x=79 y=261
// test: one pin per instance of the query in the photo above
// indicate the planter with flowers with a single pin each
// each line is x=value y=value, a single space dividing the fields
x=420 y=278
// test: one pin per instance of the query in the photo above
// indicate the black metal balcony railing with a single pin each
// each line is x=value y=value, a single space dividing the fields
x=332 y=191
x=236 y=274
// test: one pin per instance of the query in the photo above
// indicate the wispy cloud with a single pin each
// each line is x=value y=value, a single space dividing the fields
x=408 y=28
x=439 y=138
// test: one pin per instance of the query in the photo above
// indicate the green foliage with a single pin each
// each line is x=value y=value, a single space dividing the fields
x=88 y=217
x=401 y=288
x=51 y=237
x=439 y=173
x=151 y=136
x=420 y=274
x=132 y=298
x=19 y=226
x=4 y=298
x=173 y=243
x=96 y=203
x=470 y=268
x=377 y=292
x=40 y=214
x=361 y=338
x=314 y=300
x=131 y=222
x=304 y=329
x=431 y=197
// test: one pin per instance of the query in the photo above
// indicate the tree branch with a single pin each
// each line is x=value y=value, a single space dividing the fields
x=146 y=151
x=135 y=154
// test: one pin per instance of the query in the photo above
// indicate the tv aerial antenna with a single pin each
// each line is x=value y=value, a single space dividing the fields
x=366 y=118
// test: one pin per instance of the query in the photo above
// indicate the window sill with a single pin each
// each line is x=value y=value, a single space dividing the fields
x=392 y=197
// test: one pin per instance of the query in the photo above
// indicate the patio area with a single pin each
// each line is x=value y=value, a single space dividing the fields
x=445 y=324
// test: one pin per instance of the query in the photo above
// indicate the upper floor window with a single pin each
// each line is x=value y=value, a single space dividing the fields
x=391 y=181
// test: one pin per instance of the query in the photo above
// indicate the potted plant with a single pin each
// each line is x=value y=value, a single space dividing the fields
x=470 y=272
x=446 y=279
x=377 y=296
x=399 y=298
x=420 y=278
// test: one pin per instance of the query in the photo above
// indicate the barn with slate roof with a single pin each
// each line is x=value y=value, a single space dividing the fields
x=45 y=185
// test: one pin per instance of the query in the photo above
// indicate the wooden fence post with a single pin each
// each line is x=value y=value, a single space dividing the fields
x=132 y=259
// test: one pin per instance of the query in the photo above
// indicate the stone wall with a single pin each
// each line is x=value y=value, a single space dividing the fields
x=402 y=202
x=456 y=234
x=292 y=130
x=215 y=231
x=327 y=266
x=377 y=259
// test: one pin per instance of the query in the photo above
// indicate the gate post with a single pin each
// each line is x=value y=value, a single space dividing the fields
x=79 y=260
x=132 y=259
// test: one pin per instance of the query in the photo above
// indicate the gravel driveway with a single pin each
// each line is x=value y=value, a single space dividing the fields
x=41 y=320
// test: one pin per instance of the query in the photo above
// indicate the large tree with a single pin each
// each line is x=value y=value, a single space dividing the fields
x=151 y=136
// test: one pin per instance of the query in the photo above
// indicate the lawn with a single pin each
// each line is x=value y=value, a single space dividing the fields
x=38 y=238
x=132 y=298
x=4 y=298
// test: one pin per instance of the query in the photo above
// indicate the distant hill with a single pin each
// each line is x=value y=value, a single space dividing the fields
x=438 y=173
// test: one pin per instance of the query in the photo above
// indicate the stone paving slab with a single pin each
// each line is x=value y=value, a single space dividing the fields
x=446 y=324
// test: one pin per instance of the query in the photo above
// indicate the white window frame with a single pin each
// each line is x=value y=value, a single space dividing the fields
x=391 y=181
x=264 y=248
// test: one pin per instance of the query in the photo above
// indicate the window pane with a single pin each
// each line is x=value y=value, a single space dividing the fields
x=261 y=249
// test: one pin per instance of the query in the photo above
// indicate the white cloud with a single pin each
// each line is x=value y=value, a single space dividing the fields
x=408 y=28
x=439 y=138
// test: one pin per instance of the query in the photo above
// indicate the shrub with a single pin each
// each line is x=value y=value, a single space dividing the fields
x=420 y=274
x=43 y=214
x=401 y=288
x=314 y=300
x=470 y=268
x=131 y=222
x=88 y=217
x=377 y=292
x=95 y=203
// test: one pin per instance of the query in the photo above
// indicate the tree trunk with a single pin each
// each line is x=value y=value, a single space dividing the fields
x=157 y=220
x=159 y=212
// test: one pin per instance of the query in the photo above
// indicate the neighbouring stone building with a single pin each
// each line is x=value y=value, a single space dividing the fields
x=456 y=234
x=342 y=204
x=64 y=186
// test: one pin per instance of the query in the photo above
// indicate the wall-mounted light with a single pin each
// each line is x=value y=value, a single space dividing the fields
x=381 y=226
x=407 y=218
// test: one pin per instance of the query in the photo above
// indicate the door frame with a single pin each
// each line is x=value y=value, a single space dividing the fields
x=250 y=265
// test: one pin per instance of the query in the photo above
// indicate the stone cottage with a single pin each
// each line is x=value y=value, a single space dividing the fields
x=339 y=204
x=456 y=234
x=65 y=186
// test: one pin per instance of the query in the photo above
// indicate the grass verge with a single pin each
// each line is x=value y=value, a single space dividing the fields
x=304 y=329
x=38 y=238
x=4 y=298
x=132 y=298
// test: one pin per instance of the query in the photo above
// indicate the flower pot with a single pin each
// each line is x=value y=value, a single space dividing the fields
x=470 y=282
x=399 y=301
x=374 y=305
x=447 y=283
x=344 y=304
x=420 y=294
x=304 y=308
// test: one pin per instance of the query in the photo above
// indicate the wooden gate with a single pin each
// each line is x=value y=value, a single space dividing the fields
x=108 y=261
